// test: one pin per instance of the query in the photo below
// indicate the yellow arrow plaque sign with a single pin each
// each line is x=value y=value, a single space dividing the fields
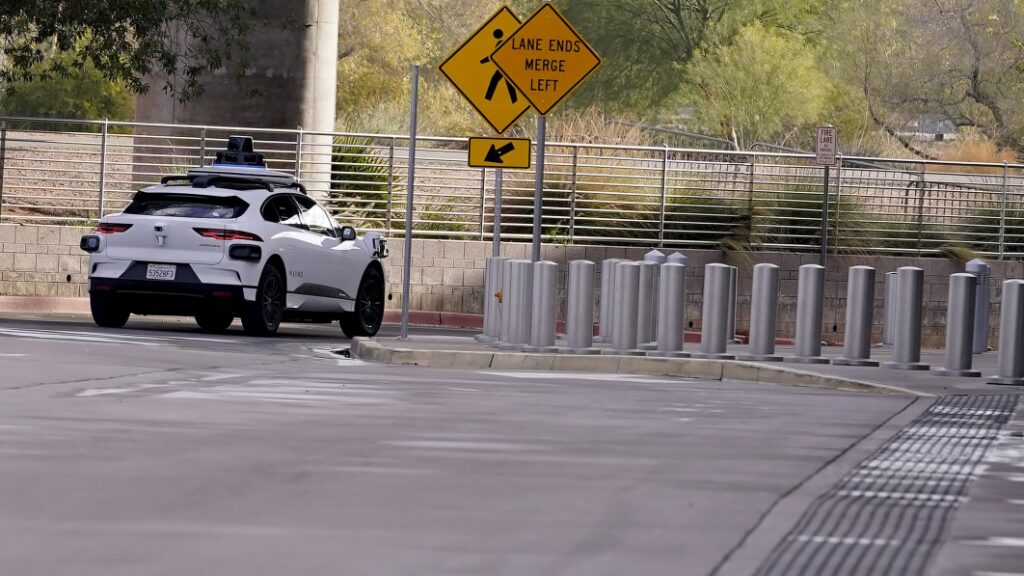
x=474 y=74
x=546 y=58
x=499 y=153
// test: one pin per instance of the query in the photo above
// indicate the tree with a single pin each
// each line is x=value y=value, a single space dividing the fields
x=759 y=87
x=81 y=94
x=647 y=44
x=955 y=60
x=125 y=40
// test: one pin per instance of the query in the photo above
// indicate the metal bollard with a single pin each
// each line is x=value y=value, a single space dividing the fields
x=764 y=304
x=579 y=316
x=963 y=290
x=889 y=328
x=519 y=300
x=810 y=301
x=906 y=351
x=542 y=313
x=678 y=258
x=733 y=289
x=627 y=288
x=492 y=308
x=982 y=302
x=646 y=303
x=671 y=311
x=860 y=308
x=659 y=258
x=605 y=314
x=1011 y=336
x=505 y=327
x=715 y=318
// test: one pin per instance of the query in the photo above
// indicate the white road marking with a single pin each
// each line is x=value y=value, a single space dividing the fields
x=13 y=355
x=1007 y=541
x=49 y=335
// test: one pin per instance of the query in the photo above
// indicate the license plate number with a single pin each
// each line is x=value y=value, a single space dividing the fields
x=161 y=271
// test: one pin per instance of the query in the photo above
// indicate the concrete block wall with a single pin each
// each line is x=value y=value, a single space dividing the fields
x=448 y=276
x=42 y=261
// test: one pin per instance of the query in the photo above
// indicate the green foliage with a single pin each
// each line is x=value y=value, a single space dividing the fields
x=759 y=87
x=83 y=94
x=982 y=229
x=126 y=40
x=359 y=182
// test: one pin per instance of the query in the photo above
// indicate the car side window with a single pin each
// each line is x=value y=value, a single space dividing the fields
x=315 y=218
x=282 y=210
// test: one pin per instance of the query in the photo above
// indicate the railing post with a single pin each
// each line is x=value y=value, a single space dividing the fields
x=483 y=200
x=1002 y=218
x=391 y=186
x=103 y=165
x=664 y=192
x=202 y=146
x=839 y=201
x=572 y=194
x=3 y=160
x=920 y=212
x=298 y=153
x=750 y=184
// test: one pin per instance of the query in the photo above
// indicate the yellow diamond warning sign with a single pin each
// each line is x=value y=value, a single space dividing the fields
x=546 y=58
x=474 y=74
x=499 y=152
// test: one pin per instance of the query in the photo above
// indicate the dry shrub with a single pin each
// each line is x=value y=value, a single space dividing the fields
x=975 y=149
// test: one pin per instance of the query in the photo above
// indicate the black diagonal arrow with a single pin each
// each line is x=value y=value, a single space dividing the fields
x=494 y=154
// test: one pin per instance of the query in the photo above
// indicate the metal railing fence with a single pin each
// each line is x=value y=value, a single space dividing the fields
x=73 y=172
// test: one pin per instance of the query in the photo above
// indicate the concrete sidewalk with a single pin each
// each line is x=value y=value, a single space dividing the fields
x=466 y=352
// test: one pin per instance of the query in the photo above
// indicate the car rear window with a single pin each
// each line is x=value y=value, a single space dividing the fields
x=186 y=206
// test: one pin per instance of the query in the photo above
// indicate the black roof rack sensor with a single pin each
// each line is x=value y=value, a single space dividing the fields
x=230 y=182
x=182 y=178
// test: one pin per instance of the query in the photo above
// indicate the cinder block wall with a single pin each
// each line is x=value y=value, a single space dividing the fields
x=448 y=276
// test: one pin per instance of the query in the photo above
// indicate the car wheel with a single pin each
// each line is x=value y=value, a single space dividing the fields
x=107 y=312
x=263 y=317
x=369 y=312
x=214 y=321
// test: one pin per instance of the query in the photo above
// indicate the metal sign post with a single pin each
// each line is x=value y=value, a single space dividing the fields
x=825 y=150
x=499 y=177
x=538 y=188
x=407 y=256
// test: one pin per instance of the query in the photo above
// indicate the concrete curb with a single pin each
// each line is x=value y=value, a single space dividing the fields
x=374 y=351
x=44 y=305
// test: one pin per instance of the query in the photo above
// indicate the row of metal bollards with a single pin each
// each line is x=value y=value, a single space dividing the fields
x=642 y=311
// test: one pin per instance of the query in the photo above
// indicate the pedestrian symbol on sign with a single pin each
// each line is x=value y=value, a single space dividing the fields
x=475 y=75
x=498 y=77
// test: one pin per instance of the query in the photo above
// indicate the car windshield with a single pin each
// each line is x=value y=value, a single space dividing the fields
x=186 y=206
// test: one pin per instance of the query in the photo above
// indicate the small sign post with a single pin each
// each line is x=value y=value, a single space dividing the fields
x=825 y=151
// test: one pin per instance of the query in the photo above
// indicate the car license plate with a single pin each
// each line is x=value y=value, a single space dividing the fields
x=161 y=271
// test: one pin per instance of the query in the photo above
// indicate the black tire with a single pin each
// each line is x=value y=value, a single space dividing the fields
x=214 y=320
x=107 y=312
x=369 y=313
x=263 y=317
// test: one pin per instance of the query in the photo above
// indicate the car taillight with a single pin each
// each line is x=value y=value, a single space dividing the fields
x=227 y=235
x=112 y=228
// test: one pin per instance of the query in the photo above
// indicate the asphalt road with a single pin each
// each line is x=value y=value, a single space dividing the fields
x=160 y=450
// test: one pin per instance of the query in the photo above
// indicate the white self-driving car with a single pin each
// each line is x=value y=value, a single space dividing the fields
x=234 y=240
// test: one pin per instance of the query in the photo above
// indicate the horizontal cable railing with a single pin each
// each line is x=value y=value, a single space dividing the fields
x=73 y=172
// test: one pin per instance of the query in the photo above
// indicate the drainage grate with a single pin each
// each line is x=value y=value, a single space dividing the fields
x=890 y=514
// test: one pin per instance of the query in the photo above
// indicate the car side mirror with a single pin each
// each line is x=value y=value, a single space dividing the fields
x=348 y=233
